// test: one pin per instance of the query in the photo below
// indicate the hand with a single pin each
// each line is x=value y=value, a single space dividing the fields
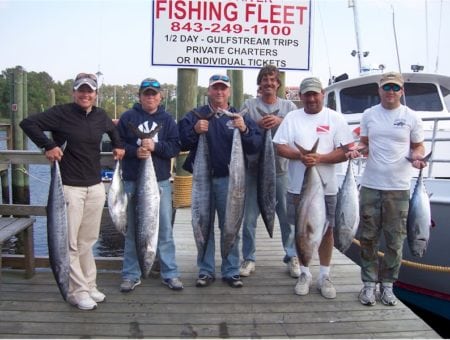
x=54 y=154
x=201 y=126
x=148 y=144
x=419 y=163
x=310 y=159
x=118 y=154
x=239 y=123
x=270 y=121
x=142 y=153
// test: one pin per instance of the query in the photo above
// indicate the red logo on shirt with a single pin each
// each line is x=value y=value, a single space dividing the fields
x=323 y=129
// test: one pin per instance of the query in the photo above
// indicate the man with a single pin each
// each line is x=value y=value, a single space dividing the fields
x=267 y=110
x=303 y=127
x=146 y=116
x=81 y=126
x=391 y=131
x=218 y=129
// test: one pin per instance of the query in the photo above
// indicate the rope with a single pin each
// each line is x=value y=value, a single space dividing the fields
x=412 y=264
x=25 y=171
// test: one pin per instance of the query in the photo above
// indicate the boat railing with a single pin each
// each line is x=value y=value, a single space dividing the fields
x=437 y=140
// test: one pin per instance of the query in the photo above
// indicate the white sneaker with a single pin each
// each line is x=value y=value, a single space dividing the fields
x=84 y=304
x=247 y=267
x=97 y=295
x=294 y=267
x=303 y=284
x=326 y=287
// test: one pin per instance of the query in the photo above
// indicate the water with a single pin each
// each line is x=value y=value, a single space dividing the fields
x=110 y=243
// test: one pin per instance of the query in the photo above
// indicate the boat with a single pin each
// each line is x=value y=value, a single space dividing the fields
x=423 y=282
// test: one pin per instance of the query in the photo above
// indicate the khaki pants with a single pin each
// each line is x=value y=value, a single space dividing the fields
x=84 y=213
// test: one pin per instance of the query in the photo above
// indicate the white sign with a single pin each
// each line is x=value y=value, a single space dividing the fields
x=231 y=33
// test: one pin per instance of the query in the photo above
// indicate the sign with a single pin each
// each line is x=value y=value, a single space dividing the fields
x=231 y=33
x=14 y=107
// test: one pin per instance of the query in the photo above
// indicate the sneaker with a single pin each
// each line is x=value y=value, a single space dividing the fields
x=367 y=294
x=233 y=281
x=173 y=283
x=247 y=267
x=387 y=295
x=84 y=304
x=303 y=284
x=326 y=287
x=97 y=296
x=294 y=267
x=129 y=285
x=204 y=280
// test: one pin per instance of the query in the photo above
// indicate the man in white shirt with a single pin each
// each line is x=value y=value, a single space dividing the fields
x=303 y=127
x=391 y=132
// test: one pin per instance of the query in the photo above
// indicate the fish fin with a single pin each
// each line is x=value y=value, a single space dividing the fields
x=143 y=135
x=425 y=158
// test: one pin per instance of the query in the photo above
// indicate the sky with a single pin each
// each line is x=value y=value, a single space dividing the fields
x=65 y=37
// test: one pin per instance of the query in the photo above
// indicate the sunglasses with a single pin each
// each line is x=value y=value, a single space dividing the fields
x=150 y=83
x=393 y=87
x=219 y=77
x=86 y=75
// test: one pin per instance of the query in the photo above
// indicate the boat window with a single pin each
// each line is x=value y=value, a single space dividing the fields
x=331 y=100
x=422 y=97
x=358 y=98
x=446 y=94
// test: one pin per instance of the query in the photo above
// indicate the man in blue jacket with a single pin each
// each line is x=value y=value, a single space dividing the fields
x=218 y=128
x=146 y=116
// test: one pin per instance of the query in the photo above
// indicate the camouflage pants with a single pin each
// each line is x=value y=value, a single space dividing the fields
x=382 y=211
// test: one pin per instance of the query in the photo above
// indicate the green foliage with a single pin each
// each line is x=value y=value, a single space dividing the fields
x=115 y=99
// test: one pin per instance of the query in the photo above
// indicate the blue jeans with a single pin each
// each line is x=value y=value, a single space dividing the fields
x=230 y=264
x=166 y=244
x=251 y=215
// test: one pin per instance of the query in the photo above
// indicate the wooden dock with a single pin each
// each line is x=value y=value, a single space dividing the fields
x=266 y=307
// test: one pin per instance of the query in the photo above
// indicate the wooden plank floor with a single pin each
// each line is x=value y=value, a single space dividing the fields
x=266 y=307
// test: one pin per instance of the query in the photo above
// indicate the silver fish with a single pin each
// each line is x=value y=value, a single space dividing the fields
x=347 y=211
x=310 y=214
x=147 y=209
x=202 y=216
x=266 y=179
x=118 y=201
x=234 y=213
x=58 y=231
x=419 y=217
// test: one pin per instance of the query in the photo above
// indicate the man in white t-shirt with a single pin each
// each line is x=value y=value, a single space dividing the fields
x=303 y=127
x=392 y=132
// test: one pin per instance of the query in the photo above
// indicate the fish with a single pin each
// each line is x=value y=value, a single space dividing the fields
x=347 y=211
x=235 y=204
x=118 y=201
x=58 y=231
x=147 y=208
x=266 y=179
x=202 y=216
x=310 y=213
x=419 y=221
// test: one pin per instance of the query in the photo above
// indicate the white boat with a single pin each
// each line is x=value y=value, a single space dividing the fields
x=423 y=282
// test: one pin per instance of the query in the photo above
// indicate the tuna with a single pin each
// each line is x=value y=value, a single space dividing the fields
x=310 y=214
x=118 y=201
x=58 y=231
x=266 y=180
x=419 y=217
x=147 y=209
x=201 y=211
x=347 y=211
x=234 y=213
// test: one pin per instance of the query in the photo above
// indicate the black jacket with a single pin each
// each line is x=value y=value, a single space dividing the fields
x=80 y=165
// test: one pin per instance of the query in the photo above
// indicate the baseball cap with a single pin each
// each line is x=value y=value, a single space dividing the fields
x=311 y=84
x=149 y=84
x=85 y=79
x=219 y=79
x=391 y=78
